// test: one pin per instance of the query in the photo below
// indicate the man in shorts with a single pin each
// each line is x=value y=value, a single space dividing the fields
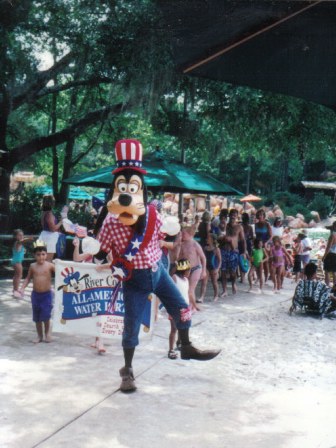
x=230 y=252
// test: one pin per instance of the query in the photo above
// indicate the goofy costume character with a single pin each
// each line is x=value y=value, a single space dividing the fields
x=132 y=231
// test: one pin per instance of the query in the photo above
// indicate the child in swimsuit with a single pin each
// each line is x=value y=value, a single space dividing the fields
x=17 y=259
x=192 y=251
x=181 y=279
x=41 y=273
x=229 y=265
x=279 y=255
x=258 y=258
x=213 y=263
x=297 y=255
x=263 y=232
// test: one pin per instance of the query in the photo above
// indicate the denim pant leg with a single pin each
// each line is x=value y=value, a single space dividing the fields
x=136 y=292
x=167 y=291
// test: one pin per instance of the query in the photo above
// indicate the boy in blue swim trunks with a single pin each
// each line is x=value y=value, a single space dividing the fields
x=41 y=273
x=228 y=244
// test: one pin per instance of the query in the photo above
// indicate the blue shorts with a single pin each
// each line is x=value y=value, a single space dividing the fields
x=41 y=305
x=230 y=260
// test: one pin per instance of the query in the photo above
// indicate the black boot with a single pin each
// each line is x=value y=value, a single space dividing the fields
x=126 y=373
x=188 y=351
x=128 y=381
x=191 y=352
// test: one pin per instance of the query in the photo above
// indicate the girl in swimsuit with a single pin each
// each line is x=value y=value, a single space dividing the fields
x=263 y=232
x=258 y=258
x=17 y=259
x=192 y=251
x=279 y=256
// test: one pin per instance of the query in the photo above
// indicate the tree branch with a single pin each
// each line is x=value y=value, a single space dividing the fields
x=21 y=152
x=30 y=91
x=84 y=153
x=71 y=84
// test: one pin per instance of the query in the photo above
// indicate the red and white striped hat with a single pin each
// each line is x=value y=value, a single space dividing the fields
x=128 y=154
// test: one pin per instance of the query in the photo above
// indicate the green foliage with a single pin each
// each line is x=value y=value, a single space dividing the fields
x=322 y=204
x=290 y=203
x=286 y=199
x=118 y=53
x=79 y=217
x=298 y=208
x=6 y=249
x=26 y=210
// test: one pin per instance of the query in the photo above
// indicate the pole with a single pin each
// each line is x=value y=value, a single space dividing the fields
x=180 y=207
x=207 y=203
x=248 y=181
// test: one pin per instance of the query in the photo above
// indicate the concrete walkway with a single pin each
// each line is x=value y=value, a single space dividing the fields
x=272 y=386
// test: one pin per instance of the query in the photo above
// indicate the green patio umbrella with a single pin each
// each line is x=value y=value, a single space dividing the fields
x=162 y=175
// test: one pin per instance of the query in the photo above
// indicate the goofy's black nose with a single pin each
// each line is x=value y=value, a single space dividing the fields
x=125 y=199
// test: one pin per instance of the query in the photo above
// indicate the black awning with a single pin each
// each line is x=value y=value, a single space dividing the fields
x=280 y=46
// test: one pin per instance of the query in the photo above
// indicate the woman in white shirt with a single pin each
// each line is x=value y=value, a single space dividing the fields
x=277 y=229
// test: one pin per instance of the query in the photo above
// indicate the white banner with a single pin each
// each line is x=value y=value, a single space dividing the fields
x=82 y=296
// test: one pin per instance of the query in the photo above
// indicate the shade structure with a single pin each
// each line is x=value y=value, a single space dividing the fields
x=24 y=176
x=78 y=194
x=100 y=195
x=318 y=185
x=250 y=198
x=75 y=193
x=282 y=46
x=162 y=175
x=44 y=190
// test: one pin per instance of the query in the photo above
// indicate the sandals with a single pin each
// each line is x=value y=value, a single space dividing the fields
x=172 y=354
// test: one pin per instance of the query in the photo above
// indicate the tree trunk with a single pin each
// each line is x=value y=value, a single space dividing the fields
x=248 y=180
x=54 y=147
x=68 y=154
x=67 y=166
x=6 y=167
x=285 y=174
x=5 y=173
x=9 y=159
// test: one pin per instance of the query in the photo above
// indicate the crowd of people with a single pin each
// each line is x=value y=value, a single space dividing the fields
x=225 y=249
x=266 y=252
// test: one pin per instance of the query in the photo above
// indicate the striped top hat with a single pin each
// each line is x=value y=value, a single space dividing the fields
x=128 y=154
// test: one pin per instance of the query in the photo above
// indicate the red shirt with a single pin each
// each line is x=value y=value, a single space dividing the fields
x=115 y=236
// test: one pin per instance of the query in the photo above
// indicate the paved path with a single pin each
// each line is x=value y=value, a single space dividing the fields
x=273 y=385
